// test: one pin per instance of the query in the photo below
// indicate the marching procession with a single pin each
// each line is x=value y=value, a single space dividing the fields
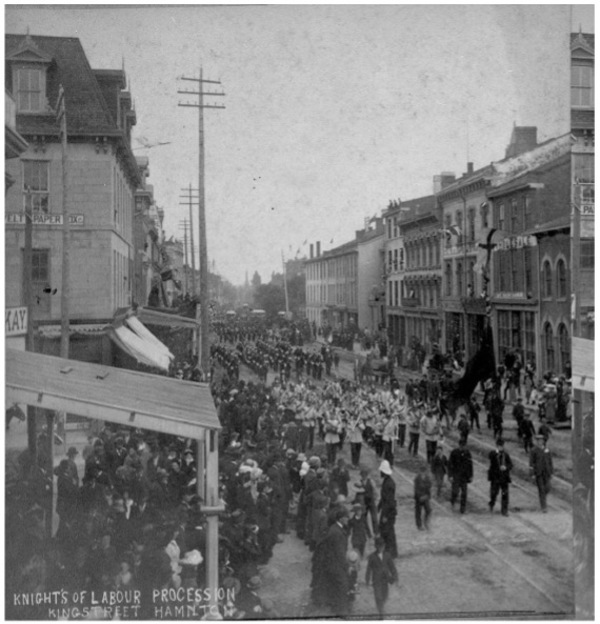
x=285 y=443
x=134 y=521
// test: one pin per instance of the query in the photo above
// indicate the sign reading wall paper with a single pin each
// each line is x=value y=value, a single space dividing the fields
x=18 y=218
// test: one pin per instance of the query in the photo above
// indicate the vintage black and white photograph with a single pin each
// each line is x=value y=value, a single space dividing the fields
x=299 y=309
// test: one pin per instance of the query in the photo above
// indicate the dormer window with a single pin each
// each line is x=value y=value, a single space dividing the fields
x=582 y=86
x=28 y=65
x=30 y=91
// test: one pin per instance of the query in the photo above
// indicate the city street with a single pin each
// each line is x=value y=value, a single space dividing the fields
x=473 y=565
x=235 y=258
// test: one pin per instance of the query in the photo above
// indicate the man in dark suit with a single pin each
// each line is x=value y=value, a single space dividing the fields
x=499 y=475
x=387 y=509
x=541 y=468
x=335 y=564
x=460 y=472
x=381 y=571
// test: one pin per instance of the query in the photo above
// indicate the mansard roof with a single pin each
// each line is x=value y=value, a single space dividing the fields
x=87 y=111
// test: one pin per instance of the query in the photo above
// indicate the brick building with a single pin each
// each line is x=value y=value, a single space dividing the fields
x=464 y=216
x=413 y=272
x=530 y=284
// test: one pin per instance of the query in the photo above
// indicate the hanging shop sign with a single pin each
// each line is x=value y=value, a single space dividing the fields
x=516 y=242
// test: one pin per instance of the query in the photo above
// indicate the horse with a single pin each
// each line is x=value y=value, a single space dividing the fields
x=14 y=411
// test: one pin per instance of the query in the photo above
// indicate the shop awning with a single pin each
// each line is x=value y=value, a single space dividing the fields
x=132 y=337
x=153 y=402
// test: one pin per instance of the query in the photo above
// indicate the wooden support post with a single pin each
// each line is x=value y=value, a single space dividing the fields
x=212 y=537
x=50 y=468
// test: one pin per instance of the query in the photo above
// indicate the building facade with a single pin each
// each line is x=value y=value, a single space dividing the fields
x=412 y=252
x=101 y=179
x=464 y=215
x=530 y=285
x=371 y=303
x=332 y=287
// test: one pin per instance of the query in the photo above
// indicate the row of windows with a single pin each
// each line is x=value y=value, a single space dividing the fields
x=426 y=293
x=462 y=281
x=122 y=202
x=514 y=271
x=343 y=267
x=514 y=215
x=554 y=281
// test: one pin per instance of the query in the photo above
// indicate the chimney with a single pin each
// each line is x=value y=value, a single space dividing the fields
x=523 y=139
x=440 y=182
x=469 y=168
x=312 y=251
x=318 y=249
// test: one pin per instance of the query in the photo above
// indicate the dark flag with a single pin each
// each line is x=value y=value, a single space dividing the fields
x=480 y=367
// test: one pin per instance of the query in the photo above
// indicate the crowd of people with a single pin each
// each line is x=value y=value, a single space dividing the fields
x=135 y=521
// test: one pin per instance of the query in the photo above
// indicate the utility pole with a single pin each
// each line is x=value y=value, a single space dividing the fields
x=209 y=448
x=191 y=199
x=285 y=289
x=184 y=224
x=61 y=417
x=28 y=301
x=204 y=363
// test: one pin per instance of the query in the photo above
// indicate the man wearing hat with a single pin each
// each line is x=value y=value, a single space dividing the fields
x=381 y=571
x=72 y=470
x=368 y=495
x=387 y=509
x=499 y=475
x=335 y=565
x=250 y=602
x=541 y=468
x=527 y=431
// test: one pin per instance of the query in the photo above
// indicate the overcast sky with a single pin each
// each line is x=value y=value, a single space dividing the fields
x=331 y=110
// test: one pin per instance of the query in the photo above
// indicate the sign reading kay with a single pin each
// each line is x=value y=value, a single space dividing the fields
x=15 y=323
x=18 y=218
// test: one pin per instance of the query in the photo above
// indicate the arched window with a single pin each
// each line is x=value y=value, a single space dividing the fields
x=564 y=346
x=561 y=280
x=547 y=279
x=549 y=347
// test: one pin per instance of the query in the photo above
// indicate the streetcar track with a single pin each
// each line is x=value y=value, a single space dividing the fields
x=490 y=547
